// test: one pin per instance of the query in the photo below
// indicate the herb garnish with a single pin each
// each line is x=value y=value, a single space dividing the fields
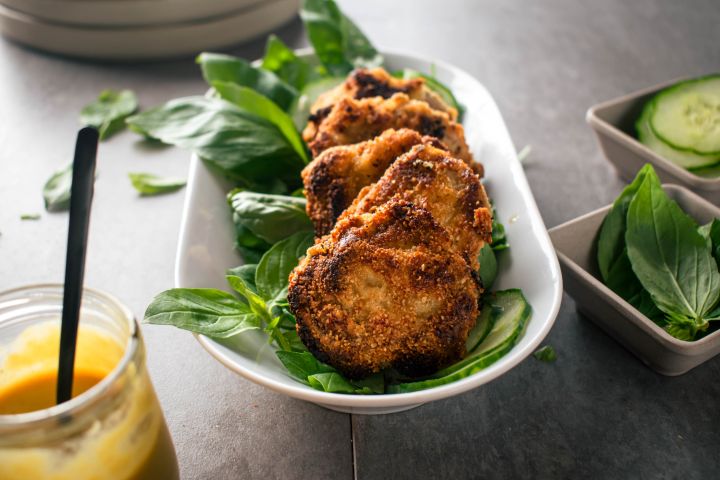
x=109 y=111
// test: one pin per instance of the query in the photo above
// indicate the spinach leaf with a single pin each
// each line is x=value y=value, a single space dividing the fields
x=242 y=146
x=270 y=217
x=148 y=184
x=201 y=310
x=671 y=258
x=611 y=238
x=283 y=62
x=56 y=191
x=275 y=266
x=217 y=67
x=338 y=42
x=436 y=86
x=255 y=103
x=488 y=266
x=109 y=111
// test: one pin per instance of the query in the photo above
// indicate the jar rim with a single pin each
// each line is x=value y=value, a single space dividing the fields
x=94 y=395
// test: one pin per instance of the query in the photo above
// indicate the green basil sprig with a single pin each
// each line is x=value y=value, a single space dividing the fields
x=238 y=144
x=283 y=62
x=149 y=184
x=109 y=111
x=338 y=42
x=56 y=191
x=217 y=67
x=269 y=217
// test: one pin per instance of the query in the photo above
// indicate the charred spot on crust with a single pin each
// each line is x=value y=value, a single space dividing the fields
x=319 y=115
x=371 y=86
x=432 y=126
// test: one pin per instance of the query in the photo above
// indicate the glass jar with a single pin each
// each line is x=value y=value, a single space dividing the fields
x=115 y=429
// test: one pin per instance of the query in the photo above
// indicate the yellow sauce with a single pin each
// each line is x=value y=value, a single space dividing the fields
x=130 y=442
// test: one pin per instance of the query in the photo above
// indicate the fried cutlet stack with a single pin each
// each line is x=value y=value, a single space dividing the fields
x=400 y=216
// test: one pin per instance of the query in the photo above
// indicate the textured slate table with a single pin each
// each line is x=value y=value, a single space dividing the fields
x=595 y=413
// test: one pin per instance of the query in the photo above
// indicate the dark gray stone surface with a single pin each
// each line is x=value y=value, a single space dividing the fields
x=595 y=413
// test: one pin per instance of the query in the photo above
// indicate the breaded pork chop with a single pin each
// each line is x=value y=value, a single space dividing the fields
x=376 y=82
x=334 y=178
x=352 y=121
x=382 y=291
x=444 y=186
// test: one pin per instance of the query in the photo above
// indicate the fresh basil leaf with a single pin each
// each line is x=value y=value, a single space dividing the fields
x=109 y=111
x=712 y=232
x=623 y=281
x=257 y=305
x=670 y=257
x=217 y=67
x=242 y=146
x=488 y=266
x=30 y=216
x=611 y=238
x=56 y=191
x=270 y=217
x=277 y=263
x=201 y=310
x=255 y=103
x=250 y=246
x=283 y=62
x=338 y=42
x=246 y=273
x=435 y=85
x=545 y=354
x=301 y=365
x=499 y=238
x=149 y=184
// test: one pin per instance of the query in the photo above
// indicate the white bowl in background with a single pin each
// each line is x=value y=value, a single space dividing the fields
x=147 y=42
x=205 y=251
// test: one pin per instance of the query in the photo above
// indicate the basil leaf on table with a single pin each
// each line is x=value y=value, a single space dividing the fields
x=283 y=62
x=109 y=111
x=241 y=146
x=149 y=184
x=251 y=101
x=56 y=192
x=338 y=42
x=671 y=258
x=201 y=310
x=217 y=67
x=435 y=85
x=275 y=266
x=270 y=217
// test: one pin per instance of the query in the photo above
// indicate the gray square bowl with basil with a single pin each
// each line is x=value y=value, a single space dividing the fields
x=575 y=244
x=613 y=122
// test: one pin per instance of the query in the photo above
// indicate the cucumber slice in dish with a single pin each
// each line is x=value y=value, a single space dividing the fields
x=681 y=158
x=512 y=313
x=686 y=116
x=482 y=327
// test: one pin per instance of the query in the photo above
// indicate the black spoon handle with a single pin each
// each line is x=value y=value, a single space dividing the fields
x=81 y=194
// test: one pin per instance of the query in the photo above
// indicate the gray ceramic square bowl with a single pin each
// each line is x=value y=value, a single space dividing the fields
x=614 y=125
x=574 y=243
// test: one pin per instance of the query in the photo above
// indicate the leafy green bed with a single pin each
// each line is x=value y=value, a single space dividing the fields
x=247 y=131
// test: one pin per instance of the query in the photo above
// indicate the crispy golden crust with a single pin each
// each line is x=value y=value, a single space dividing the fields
x=444 y=186
x=336 y=176
x=382 y=291
x=377 y=82
x=351 y=121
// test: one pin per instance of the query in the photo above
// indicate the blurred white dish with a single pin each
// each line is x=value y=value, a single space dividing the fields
x=136 y=43
x=206 y=250
x=127 y=12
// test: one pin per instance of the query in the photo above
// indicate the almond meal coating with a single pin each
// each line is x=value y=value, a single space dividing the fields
x=381 y=291
x=446 y=187
x=351 y=121
x=334 y=178
x=376 y=82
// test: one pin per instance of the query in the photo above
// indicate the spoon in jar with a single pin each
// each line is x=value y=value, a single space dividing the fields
x=81 y=194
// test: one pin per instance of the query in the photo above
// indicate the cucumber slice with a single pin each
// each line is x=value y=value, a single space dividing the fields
x=686 y=116
x=482 y=327
x=300 y=110
x=513 y=314
x=681 y=158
